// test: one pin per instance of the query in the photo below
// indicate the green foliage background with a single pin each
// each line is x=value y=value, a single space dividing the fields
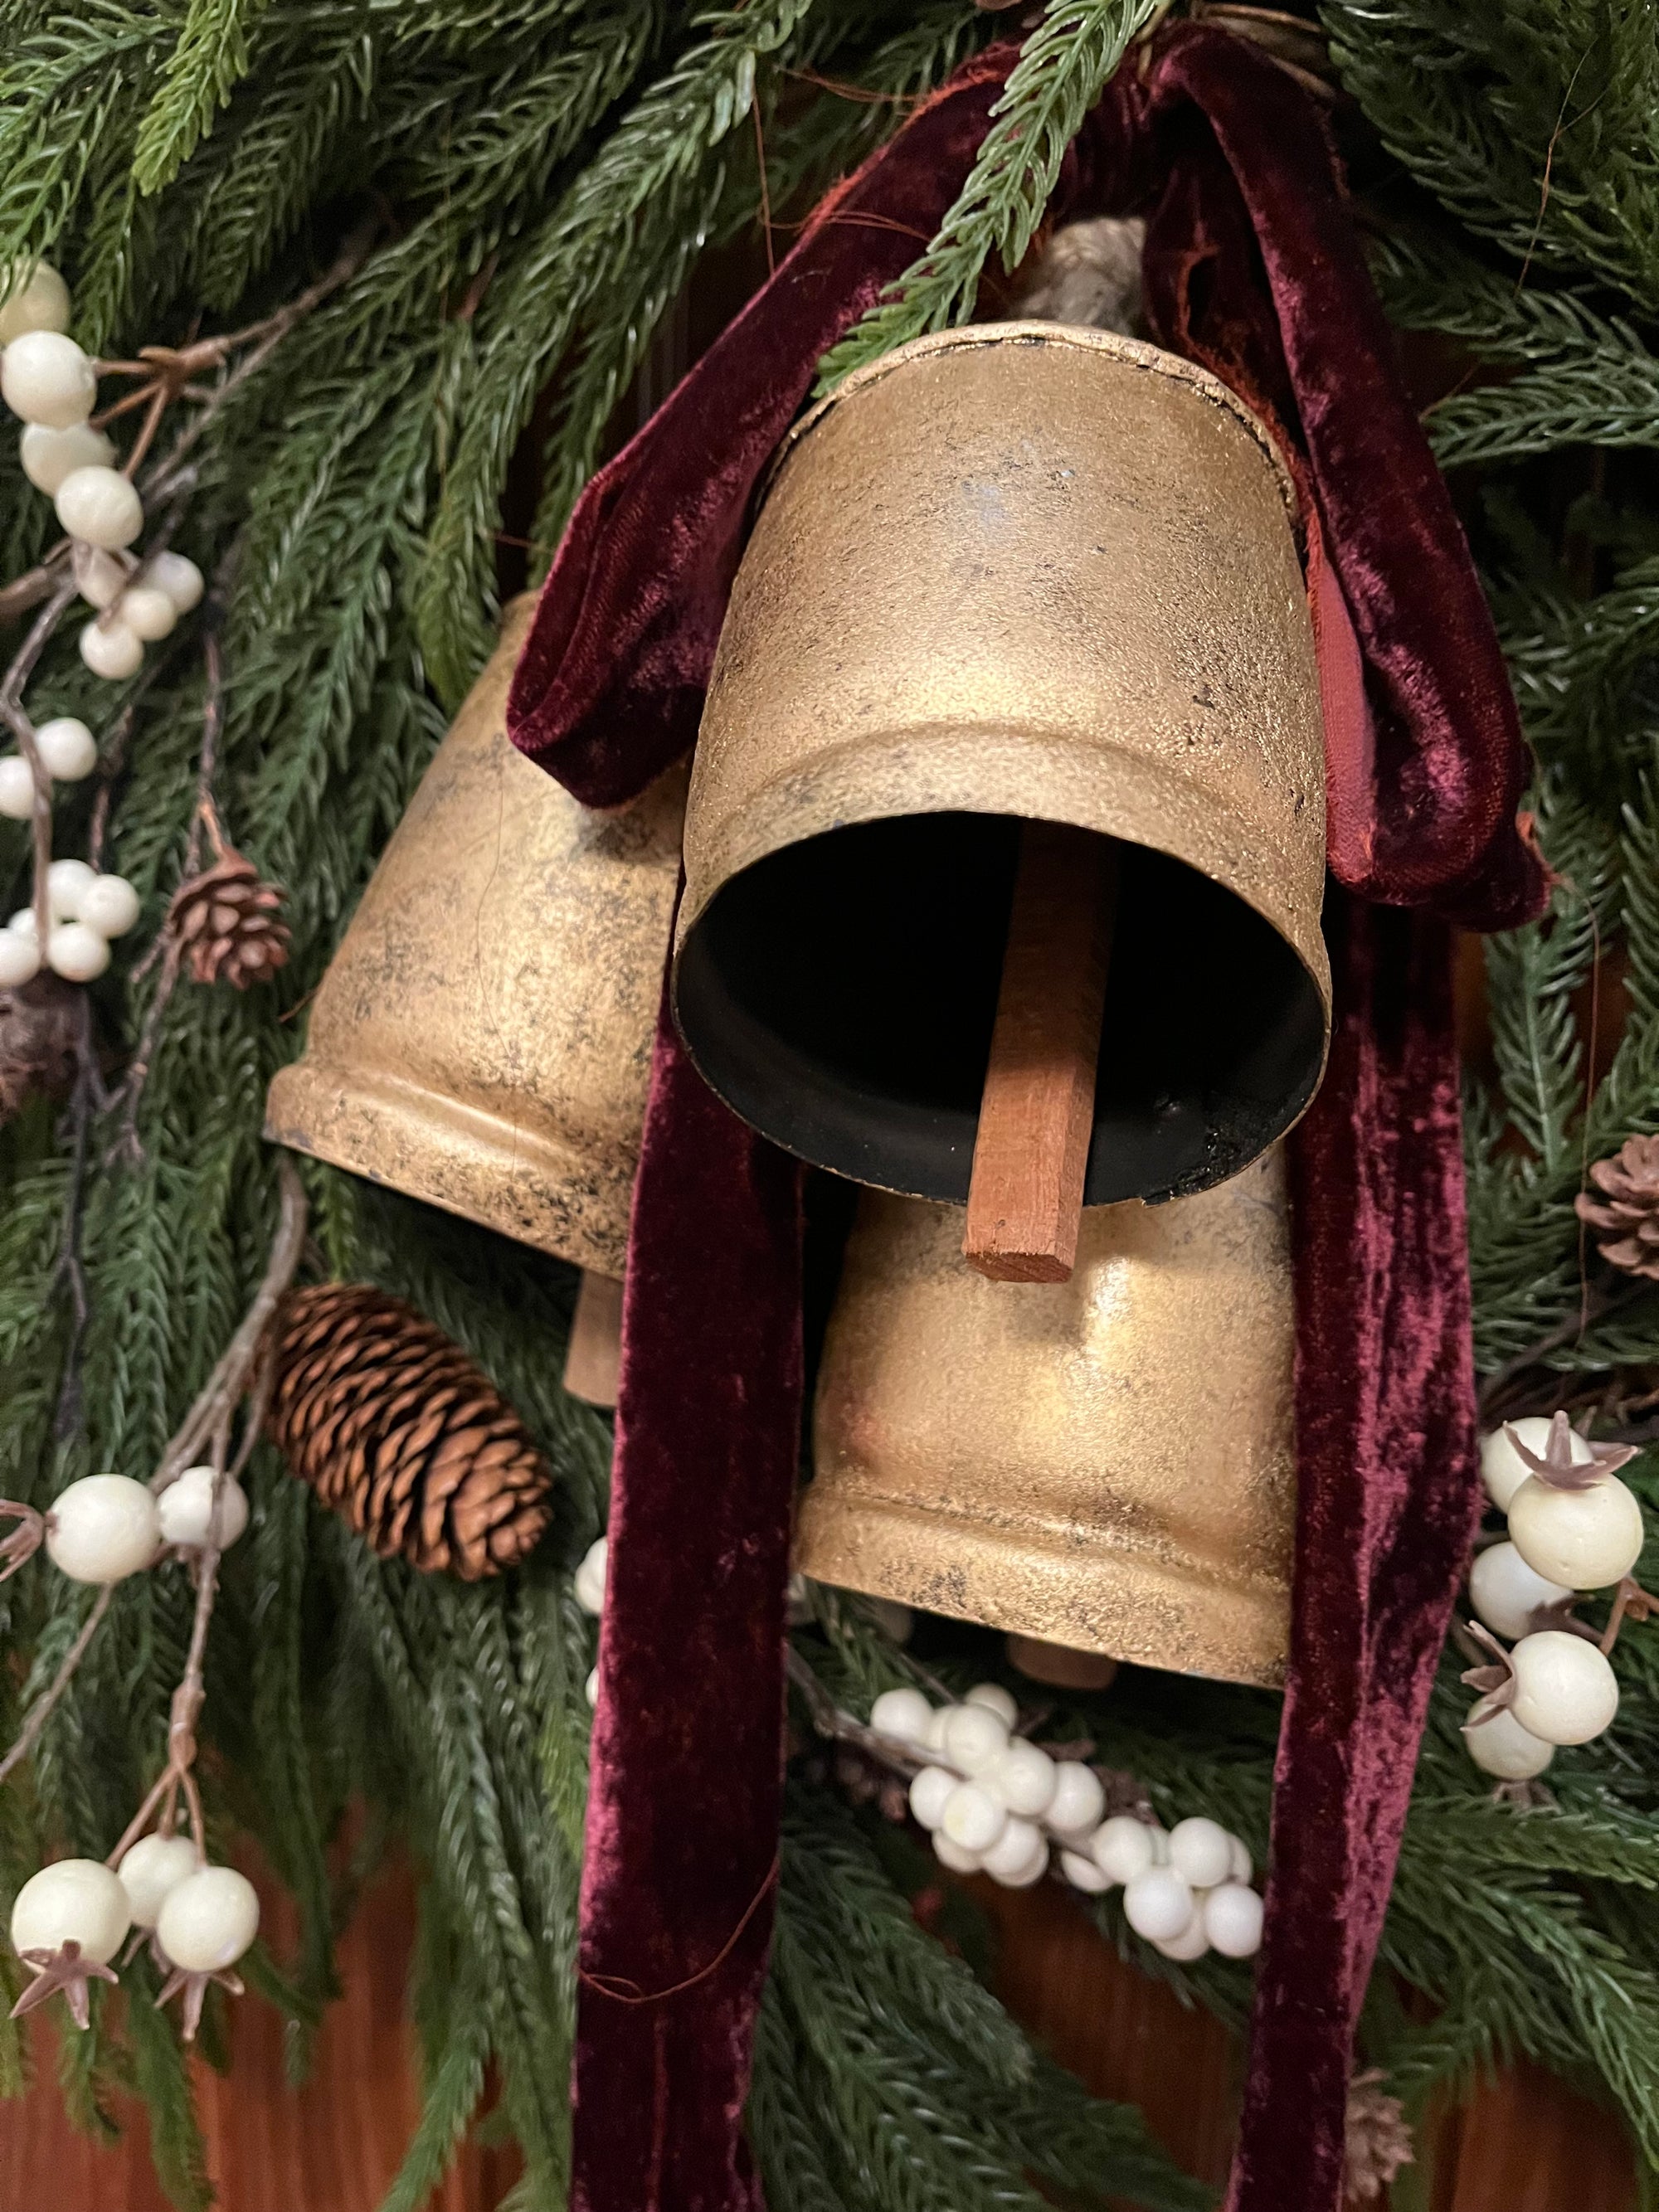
x=546 y=175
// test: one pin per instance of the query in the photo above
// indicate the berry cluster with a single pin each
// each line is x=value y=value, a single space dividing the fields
x=996 y=1804
x=86 y=909
x=70 y=1918
x=1573 y=1526
x=51 y=383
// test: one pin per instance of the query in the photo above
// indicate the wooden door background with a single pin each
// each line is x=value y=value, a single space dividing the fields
x=1524 y=2144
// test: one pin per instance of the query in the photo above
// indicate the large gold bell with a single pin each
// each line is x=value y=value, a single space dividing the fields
x=1016 y=570
x=1104 y=1463
x=483 y=1037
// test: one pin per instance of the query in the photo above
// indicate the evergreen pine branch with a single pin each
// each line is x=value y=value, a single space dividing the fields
x=213 y=55
x=1063 y=68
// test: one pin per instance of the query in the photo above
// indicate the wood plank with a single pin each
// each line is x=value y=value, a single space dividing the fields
x=1036 y=1112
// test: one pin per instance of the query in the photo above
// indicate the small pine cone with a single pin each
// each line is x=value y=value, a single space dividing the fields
x=1378 y=2140
x=395 y=1427
x=230 y=924
x=1628 y=1224
x=38 y=1024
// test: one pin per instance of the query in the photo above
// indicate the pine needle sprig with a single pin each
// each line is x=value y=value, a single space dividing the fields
x=212 y=56
x=1064 y=66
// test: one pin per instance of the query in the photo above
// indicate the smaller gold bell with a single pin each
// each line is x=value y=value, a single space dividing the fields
x=483 y=1037
x=1104 y=1463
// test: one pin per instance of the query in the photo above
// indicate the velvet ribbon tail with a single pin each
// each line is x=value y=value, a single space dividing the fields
x=1387 y=1500
x=680 y=1868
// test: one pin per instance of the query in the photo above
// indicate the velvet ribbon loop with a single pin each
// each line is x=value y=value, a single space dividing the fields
x=1252 y=266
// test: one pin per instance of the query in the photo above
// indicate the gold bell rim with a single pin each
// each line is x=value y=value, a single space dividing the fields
x=473 y=1164
x=1155 y=361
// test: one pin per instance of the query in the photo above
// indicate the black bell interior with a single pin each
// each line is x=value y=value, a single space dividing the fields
x=840 y=995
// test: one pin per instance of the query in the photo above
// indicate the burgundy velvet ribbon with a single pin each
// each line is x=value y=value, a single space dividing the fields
x=1252 y=266
x=681 y=1859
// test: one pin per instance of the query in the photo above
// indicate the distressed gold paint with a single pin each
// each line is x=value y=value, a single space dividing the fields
x=483 y=1037
x=1022 y=568
x=1105 y=1464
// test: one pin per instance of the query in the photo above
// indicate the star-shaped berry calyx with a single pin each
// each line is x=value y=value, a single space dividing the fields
x=24 y=1540
x=195 y=1988
x=66 y=1970
x=1497 y=1681
x=1557 y=1469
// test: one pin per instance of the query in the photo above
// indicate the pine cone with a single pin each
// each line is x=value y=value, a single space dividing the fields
x=395 y=1427
x=38 y=1024
x=228 y=924
x=1378 y=2140
x=1629 y=1222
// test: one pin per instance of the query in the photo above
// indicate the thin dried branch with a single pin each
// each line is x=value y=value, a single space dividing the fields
x=209 y=1422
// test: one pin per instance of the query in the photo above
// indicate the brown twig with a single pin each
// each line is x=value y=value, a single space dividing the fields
x=1597 y=1307
x=240 y=1369
x=41 y=1710
x=12 y=712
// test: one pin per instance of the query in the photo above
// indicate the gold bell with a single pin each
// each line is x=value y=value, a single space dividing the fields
x=1014 y=571
x=483 y=1037
x=1104 y=1464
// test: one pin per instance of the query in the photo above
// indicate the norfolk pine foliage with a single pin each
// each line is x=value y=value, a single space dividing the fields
x=545 y=177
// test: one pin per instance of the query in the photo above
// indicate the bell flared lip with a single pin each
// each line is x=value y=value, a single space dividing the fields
x=1115 y=791
x=481 y=1167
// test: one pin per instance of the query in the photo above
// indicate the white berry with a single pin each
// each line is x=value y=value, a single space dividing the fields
x=995 y=1700
x=1078 y=1800
x=1024 y=1778
x=101 y=578
x=16 y=788
x=67 y=747
x=208 y=1922
x=953 y=1855
x=48 y=456
x=71 y=1901
x=935 y=1738
x=1083 y=1873
x=151 y=1871
x=928 y=1792
x=591 y=1686
x=1238 y=1859
x=1007 y=1859
x=65 y=881
x=589 y=1584
x=39 y=302
x=1501 y=1746
x=77 y=953
x=1585 y=1539
x=22 y=923
x=1564 y=1690
x=186 y=1508
x=1505 y=1592
x=1232 y=1920
x=902 y=1713
x=103 y=1528
x=1199 y=1852
x=111 y=650
x=109 y=904
x=45 y=378
x=99 y=507
x=146 y=608
x=975 y=1738
x=1191 y=1942
x=20 y=960
x=973 y=1818
x=1158 y=1904
x=180 y=579
x=1121 y=1848
x=1502 y=1467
